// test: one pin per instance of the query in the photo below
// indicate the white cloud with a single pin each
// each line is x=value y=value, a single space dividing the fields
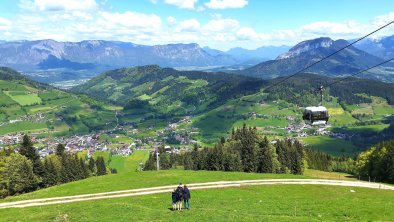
x=224 y=4
x=247 y=33
x=5 y=24
x=171 y=20
x=332 y=28
x=382 y=20
x=59 y=5
x=222 y=25
x=130 y=20
x=187 y=4
x=190 y=25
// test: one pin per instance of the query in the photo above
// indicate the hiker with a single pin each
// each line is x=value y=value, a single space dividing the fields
x=186 y=197
x=174 y=199
x=179 y=192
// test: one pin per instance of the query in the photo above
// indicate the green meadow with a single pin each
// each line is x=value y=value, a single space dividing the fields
x=248 y=203
x=333 y=146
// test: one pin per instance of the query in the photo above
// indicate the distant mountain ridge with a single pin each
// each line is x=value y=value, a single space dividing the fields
x=305 y=53
x=383 y=48
x=108 y=53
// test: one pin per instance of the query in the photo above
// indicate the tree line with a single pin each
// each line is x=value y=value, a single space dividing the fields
x=377 y=163
x=244 y=151
x=24 y=171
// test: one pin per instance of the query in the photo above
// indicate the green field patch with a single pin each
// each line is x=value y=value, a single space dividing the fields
x=51 y=95
x=279 y=122
x=105 y=154
x=368 y=129
x=24 y=99
x=12 y=86
x=337 y=111
x=333 y=146
x=144 y=97
x=5 y=100
x=383 y=110
x=40 y=109
x=130 y=163
x=344 y=119
x=24 y=126
x=363 y=111
x=13 y=112
x=82 y=154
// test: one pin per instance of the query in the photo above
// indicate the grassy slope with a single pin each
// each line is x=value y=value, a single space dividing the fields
x=130 y=163
x=279 y=202
x=333 y=146
x=21 y=98
x=133 y=180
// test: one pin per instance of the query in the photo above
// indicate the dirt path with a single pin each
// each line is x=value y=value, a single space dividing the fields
x=195 y=186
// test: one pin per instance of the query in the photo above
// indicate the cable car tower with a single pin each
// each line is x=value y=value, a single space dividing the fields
x=316 y=115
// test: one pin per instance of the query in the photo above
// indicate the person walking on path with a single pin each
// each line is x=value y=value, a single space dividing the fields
x=186 y=197
x=179 y=191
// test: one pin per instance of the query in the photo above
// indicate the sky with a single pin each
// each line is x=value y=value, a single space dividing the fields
x=219 y=24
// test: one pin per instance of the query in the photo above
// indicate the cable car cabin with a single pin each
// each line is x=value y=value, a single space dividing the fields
x=315 y=115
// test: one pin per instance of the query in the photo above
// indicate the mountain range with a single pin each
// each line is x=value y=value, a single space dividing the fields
x=348 y=61
x=51 y=61
x=383 y=47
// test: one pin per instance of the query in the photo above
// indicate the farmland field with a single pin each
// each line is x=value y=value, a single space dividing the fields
x=130 y=163
x=23 y=126
x=24 y=99
x=333 y=146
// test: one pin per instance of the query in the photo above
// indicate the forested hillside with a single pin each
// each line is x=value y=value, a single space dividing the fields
x=166 y=91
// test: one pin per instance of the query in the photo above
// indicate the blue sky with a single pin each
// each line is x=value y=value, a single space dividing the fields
x=221 y=24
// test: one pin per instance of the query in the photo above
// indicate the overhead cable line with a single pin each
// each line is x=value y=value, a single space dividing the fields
x=328 y=56
x=358 y=73
x=335 y=82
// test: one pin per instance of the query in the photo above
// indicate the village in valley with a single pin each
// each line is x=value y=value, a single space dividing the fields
x=176 y=137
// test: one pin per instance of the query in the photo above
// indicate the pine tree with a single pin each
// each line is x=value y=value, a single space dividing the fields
x=85 y=169
x=92 y=166
x=164 y=161
x=51 y=175
x=60 y=149
x=188 y=161
x=248 y=149
x=264 y=157
x=78 y=168
x=26 y=149
x=100 y=164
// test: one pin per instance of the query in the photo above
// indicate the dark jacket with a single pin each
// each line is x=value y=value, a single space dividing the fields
x=179 y=192
x=186 y=193
x=174 y=196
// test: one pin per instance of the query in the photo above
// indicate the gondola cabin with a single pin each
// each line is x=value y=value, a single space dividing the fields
x=315 y=115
